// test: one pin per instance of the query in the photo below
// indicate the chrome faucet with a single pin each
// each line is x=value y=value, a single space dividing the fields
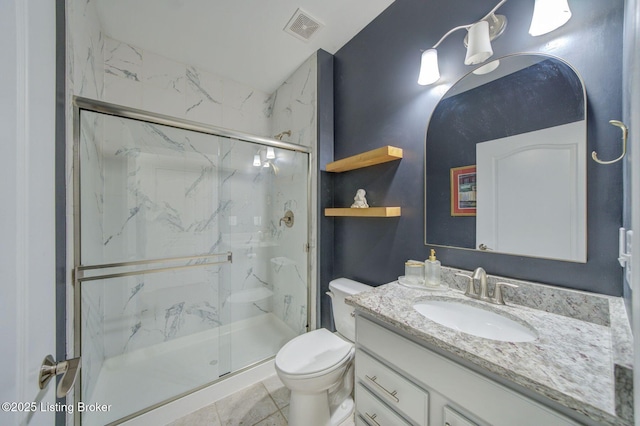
x=479 y=274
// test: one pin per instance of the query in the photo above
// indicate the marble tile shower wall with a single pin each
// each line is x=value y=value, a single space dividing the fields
x=294 y=105
x=295 y=109
x=92 y=313
x=247 y=232
x=147 y=192
x=102 y=68
x=85 y=51
x=142 y=79
x=289 y=257
x=160 y=200
x=145 y=80
x=152 y=191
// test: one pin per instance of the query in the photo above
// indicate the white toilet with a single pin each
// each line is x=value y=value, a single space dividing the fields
x=318 y=366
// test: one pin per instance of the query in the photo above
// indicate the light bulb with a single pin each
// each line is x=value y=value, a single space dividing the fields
x=270 y=153
x=429 y=72
x=479 y=49
x=549 y=15
x=486 y=69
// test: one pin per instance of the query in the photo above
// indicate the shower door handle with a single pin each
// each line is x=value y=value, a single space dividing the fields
x=68 y=368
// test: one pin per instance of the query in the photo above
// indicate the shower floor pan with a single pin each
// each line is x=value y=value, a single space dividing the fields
x=135 y=381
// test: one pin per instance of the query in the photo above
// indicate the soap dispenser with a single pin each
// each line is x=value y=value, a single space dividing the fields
x=432 y=270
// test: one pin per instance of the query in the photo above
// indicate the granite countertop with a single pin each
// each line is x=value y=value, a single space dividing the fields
x=583 y=364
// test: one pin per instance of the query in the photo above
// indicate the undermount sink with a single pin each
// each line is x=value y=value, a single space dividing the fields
x=474 y=320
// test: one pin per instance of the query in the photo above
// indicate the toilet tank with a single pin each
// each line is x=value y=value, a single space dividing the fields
x=340 y=289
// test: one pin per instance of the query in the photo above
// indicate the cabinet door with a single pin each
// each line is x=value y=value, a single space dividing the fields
x=453 y=418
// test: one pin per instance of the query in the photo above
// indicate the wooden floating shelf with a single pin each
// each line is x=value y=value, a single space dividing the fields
x=366 y=159
x=367 y=212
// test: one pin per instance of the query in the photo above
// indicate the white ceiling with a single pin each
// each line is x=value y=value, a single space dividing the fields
x=238 y=39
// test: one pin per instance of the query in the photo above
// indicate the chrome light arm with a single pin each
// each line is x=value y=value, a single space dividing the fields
x=496 y=24
x=451 y=31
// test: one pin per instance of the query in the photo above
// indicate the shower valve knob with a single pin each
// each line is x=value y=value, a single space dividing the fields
x=287 y=219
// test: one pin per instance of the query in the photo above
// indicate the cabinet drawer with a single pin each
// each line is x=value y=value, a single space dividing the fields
x=392 y=388
x=453 y=418
x=373 y=411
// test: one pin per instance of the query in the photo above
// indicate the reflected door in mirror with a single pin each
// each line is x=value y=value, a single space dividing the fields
x=517 y=178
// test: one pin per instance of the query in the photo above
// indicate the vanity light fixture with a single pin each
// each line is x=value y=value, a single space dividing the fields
x=478 y=42
x=548 y=15
x=264 y=157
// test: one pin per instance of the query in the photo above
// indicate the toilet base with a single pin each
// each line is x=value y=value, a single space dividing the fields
x=312 y=409
x=307 y=409
x=342 y=412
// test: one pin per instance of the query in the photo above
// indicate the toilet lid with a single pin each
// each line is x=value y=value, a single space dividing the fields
x=312 y=352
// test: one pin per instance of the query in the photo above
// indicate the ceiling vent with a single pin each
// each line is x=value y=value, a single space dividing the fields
x=302 y=25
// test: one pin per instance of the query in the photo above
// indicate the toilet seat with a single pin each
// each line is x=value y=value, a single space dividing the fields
x=313 y=353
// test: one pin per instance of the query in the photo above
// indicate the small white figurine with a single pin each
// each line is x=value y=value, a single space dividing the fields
x=359 y=201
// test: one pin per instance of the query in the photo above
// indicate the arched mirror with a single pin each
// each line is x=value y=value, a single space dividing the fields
x=505 y=161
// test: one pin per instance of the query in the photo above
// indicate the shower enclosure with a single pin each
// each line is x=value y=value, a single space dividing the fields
x=191 y=254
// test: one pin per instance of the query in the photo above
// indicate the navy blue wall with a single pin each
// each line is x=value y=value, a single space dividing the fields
x=325 y=187
x=378 y=102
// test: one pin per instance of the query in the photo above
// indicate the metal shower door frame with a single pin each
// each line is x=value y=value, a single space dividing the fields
x=84 y=104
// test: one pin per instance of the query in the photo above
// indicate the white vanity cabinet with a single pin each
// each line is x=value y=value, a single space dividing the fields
x=400 y=382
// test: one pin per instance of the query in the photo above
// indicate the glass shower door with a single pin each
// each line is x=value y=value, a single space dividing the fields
x=185 y=271
x=264 y=293
x=149 y=265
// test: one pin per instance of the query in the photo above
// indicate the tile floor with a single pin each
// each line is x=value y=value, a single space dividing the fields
x=262 y=404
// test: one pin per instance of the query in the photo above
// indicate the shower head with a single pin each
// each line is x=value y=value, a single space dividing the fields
x=280 y=135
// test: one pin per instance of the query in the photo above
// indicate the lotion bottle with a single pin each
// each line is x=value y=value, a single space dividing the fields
x=432 y=270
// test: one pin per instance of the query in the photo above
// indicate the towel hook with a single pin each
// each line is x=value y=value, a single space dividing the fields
x=625 y=133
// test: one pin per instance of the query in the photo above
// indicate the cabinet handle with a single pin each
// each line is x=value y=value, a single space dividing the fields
x=447 y=424
x=391 y=394
x=372 y=418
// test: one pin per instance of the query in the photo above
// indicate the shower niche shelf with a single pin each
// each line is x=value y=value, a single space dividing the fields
x=376 y=156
